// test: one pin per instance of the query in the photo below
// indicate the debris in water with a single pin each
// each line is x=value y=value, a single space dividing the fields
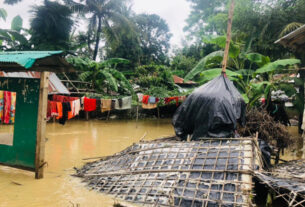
x=287 y=181
x=210 y=172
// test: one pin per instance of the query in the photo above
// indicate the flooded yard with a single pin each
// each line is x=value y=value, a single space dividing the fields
x=66 y=148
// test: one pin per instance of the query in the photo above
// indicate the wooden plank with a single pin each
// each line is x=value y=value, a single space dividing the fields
x=41 y=125
x=226 y=53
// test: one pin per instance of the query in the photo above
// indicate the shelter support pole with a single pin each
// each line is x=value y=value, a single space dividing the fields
x=226 y=53
x=41 y=125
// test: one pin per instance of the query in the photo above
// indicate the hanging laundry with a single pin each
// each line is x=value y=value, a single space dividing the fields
x=152 y=100
x=66 y=108
x=106 y=105
x=145 y=99
x=149 y=106
x=182 y=98
x=60 y=98
x=1 y=106
x=77 y=107
x=13 y=107
x=140 y=97
x=71 y=112
x=59 y=110
x=170 y=99
x=89 y=104
x=53 y=108
x=7 y=107
x=123 y=103
x=98 y=104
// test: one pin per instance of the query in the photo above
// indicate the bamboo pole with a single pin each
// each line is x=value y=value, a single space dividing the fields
x=41 y=125
x=226 y=53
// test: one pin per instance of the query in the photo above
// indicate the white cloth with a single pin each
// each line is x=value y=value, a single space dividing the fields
x=126 y=103
x=77 y=107
x=140 y=97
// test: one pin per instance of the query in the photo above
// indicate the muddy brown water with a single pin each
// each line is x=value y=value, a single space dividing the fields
x=66 y=148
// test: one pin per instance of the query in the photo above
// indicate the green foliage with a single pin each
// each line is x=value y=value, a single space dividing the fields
x=208 y=75
x=17 y=23
x=51 y=26
x=277 y=65
x=203 y=64
x=3 y=14
x=148 y=76
x=103 y=75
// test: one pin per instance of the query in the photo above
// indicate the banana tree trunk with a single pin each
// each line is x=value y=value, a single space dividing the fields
x=98 y=34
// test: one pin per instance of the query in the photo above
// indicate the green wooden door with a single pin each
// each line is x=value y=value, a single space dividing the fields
x=22 y=153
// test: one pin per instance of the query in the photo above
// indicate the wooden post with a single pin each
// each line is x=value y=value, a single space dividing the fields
x=226 y=53
x=137 y=114
x=87 y=115
x=158 y=110
x=41 y=125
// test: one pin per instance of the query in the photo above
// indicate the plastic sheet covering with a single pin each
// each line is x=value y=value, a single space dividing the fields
x=212 y=110
x=215 y=172
x=288 y=181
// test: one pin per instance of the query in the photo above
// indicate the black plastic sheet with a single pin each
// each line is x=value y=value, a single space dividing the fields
x=212 y=110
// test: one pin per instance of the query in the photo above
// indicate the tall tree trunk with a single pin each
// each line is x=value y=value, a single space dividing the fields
x=98 y=34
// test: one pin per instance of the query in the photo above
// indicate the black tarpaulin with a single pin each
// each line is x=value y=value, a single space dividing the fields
x=212 y=110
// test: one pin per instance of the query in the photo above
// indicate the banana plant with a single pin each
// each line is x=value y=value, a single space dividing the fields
x=14 y=38
x=103 y=75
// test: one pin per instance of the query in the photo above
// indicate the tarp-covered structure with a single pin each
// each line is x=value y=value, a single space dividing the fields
x=212 y=110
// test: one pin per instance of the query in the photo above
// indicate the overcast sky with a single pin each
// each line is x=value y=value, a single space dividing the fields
x=174 y=12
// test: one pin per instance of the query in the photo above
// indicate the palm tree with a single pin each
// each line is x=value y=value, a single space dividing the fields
x=103 y=13
x=51 y=26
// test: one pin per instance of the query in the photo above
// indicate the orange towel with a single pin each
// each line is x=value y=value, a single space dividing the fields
x=59 y=110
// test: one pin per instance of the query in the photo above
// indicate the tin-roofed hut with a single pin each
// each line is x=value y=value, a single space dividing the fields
x=28 y=146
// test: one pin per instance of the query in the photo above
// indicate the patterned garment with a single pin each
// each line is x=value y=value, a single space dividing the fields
x=7 y=107
x=1 y=106
x=13 y=108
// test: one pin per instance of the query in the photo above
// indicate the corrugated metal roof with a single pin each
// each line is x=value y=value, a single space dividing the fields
x=25 y=59
x=179 y=80
x=294 y=40
x=55 y=85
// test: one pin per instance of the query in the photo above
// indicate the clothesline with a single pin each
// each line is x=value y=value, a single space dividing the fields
x=66 y=107
x=151 y=102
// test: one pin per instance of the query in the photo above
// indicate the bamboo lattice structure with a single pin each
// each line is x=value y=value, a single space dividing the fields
x=215 y=172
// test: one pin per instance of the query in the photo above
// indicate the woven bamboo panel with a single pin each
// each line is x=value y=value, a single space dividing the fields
x=203 y=173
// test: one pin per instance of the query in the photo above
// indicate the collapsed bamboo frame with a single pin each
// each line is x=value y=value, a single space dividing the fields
x=212 y=172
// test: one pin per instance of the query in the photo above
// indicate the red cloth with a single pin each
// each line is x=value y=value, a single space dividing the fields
x=7 y=107
x=89 y=104
x=145 y=99
x=52 y=109
x=168 y=100
x=59 y=98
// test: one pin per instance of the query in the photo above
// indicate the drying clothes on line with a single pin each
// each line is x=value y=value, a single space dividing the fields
x=106 y=105
x=89 y=104
x=66 y=108
x=182 y=98
x=140 y=97
x=59 y=110
x=53 y=108
x=13 y=108
x=149 y=106
x=1 y=105
x=145 y=99
x=123 y=103
x=98 y=104
x=77 y=107
x=7 y=107
x=71 y=112
x=59 y=98
x=170 y=99
x=152 y=100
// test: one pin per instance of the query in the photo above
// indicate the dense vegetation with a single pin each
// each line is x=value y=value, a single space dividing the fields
x=120 y=49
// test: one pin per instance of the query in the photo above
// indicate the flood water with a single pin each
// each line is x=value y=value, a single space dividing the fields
x=66 y=148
